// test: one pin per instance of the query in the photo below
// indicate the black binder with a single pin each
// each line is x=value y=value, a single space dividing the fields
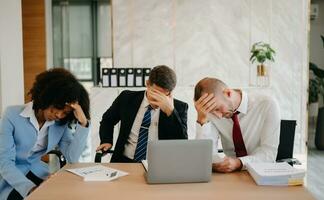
x=130 y=77
x=146 y=75
x=122 y=77
x=138 y=77
x=105 y=77
x=113 y=77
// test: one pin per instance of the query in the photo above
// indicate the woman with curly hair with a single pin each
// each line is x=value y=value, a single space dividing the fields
x=27 y=132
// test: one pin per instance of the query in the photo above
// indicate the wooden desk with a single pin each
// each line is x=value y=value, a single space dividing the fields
x=239 y=185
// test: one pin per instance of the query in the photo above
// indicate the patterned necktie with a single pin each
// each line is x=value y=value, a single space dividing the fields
x=238 y=141
x=140 y=151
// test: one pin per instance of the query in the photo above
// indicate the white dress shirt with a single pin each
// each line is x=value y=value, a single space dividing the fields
x=130 y=146
x=42 y=133
x=259 y=120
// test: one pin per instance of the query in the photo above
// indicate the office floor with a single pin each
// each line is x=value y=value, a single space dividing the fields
x=315 y=165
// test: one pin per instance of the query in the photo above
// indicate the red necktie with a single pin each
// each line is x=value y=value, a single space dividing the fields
x=238 y=141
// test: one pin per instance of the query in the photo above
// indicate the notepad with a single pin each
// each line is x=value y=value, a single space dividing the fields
x=97 y=173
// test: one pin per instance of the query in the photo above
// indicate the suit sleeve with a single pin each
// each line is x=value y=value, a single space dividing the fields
x=73 y=144
x=8 y=170
x=109 y=119
x=177 y=121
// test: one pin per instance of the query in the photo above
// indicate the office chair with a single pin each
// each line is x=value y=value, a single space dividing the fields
x=100 y=154
x=60 y=156
x=286 y=142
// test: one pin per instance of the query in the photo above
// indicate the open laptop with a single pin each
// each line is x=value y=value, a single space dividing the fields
x=179 y=161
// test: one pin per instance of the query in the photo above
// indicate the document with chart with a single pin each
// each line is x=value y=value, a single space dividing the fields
x=98 y=173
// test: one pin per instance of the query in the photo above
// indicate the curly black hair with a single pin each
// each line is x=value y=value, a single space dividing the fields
x=56 y=87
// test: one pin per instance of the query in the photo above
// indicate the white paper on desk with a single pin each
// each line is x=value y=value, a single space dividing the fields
x=217 y=158
x=98 y=173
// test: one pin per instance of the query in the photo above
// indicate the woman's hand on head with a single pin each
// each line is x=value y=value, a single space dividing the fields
x=78 y=113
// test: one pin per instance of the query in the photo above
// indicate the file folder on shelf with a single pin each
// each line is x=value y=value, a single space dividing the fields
x=113 y=77
x=125 y=77
x=139 y=77
x=122 y=77
x=146 y=75
x=130 y=77
x=105 y=77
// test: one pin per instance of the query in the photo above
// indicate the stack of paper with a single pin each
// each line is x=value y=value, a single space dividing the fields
x=98 y=173
x=275 y=174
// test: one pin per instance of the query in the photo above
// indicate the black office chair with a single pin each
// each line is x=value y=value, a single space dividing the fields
x=286 y=142
x=60 y=156
x=100 y=154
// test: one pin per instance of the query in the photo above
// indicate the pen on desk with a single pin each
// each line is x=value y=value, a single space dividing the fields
x=112 y=174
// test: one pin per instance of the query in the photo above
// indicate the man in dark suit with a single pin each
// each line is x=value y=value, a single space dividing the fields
x=152 y=114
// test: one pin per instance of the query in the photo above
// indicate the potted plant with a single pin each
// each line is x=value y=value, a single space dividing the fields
x=313 y=96
x=261 y=52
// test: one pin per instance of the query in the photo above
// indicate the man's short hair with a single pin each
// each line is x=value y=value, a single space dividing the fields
x=209 y=85
x=164 y=77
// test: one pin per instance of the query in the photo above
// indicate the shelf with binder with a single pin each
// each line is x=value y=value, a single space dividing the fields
x=109 y=77
x=125 y=77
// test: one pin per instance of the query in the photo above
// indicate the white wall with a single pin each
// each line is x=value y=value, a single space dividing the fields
x=213 y=38
x=316 y=30
x=11 y=54
x=49 y=34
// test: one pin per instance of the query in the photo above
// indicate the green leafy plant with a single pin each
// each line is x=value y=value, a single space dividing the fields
x=314 y=90
x=261 y=52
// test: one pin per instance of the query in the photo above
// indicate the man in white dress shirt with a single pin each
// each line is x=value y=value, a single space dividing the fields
x=247 y=124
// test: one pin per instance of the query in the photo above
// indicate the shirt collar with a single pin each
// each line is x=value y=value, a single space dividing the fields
x=243 y=107
x=28 y=112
